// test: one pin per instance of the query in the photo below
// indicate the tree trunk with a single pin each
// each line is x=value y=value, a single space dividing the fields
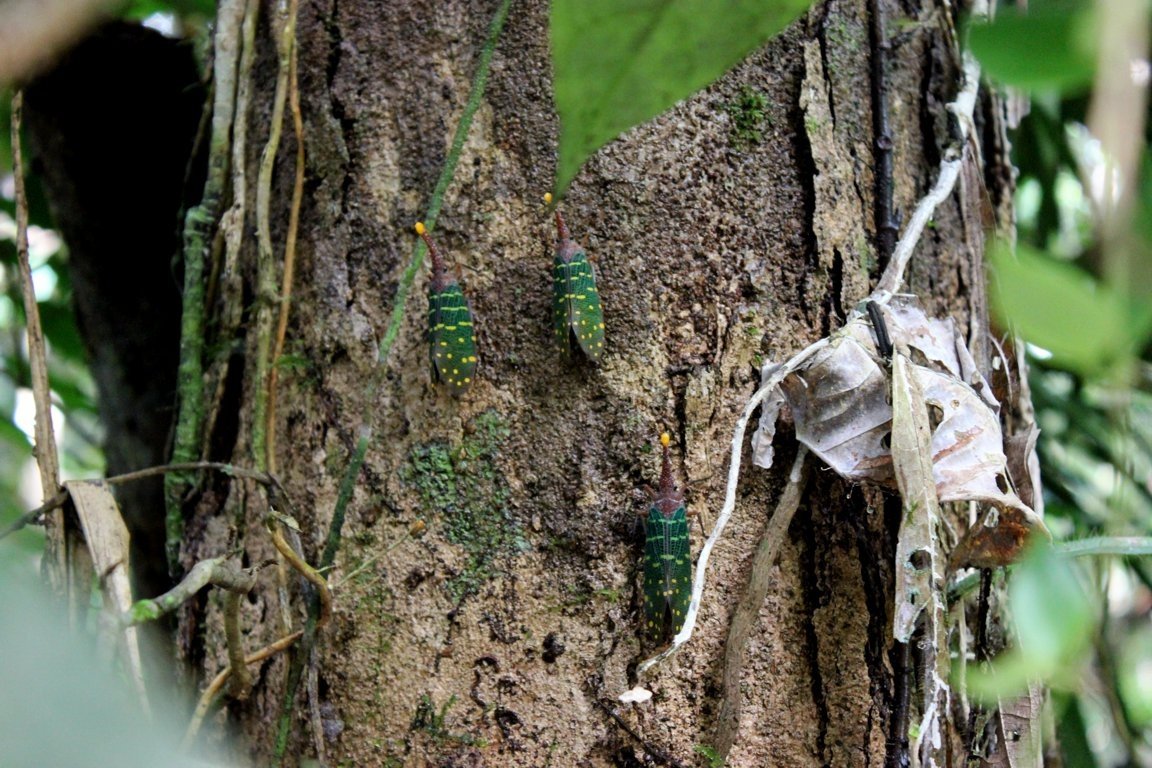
x=487 y=604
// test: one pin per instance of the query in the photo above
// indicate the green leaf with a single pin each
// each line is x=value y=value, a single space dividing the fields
x=1142 y=218
x=1054 y=621
x=1051 y=611
x=14 y=437
x=620 y=62
x=1073 y=731
x=60 y=328
x=140 y=9
x=710 y=755
x=1087 y=327
x=1049 y=46
x=1136 y=659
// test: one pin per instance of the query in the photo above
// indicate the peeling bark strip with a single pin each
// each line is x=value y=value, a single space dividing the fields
x=919 y=563
x=838 y=224
x=743 y=620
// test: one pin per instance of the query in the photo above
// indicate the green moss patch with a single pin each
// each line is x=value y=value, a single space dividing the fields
x=749 y=116
x=466 y=495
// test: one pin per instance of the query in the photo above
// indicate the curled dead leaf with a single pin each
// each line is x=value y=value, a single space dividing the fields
x=841 y=404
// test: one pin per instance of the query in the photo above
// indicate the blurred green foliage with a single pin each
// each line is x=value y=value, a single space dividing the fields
x=183 y=9
x=1085 y=325
x=1082 y=625
x=1049 y=45
x=73 y=393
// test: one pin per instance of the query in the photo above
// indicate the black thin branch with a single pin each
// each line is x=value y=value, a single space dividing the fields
x=275 y=488
x=886 y=228
x=661 y=757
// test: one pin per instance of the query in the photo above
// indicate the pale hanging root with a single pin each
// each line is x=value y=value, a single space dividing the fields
x=729 y=499
x=962 y=108
x=217 y=683
x=289 y=244
x=759 y=580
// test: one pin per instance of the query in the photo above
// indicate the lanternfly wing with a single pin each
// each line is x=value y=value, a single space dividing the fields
x=452 y=345
x=667 y=571
x=578 y=320
x=667 y=557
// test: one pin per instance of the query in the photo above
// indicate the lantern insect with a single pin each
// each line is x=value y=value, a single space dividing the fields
x=452 y=345
x=577 y=318
x=667 y=557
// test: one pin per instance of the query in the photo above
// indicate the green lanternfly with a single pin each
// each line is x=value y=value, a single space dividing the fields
x=667 y=557
x=452 y=345
x=577 y=318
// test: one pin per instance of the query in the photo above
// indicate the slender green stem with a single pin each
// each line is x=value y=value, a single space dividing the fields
x=199 y=226
x=347 y=486
x=1118 y=546
x=479 y=81
x=1096 y=546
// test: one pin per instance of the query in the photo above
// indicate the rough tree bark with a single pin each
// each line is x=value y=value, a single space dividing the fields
x=736 y=228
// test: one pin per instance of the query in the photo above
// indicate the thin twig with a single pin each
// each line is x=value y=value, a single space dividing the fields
x=744 y=617
x=307 y=571
x=44 y=449
x=289 y=254
x=47 y=458
x=272 y=483
x=660 y=756
x=31 y=517
x=217 y=683
x=778 y=375
x=216 y=571
x=372 y=560
x=266 y=265
x=229 y=469
x=881 y=135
